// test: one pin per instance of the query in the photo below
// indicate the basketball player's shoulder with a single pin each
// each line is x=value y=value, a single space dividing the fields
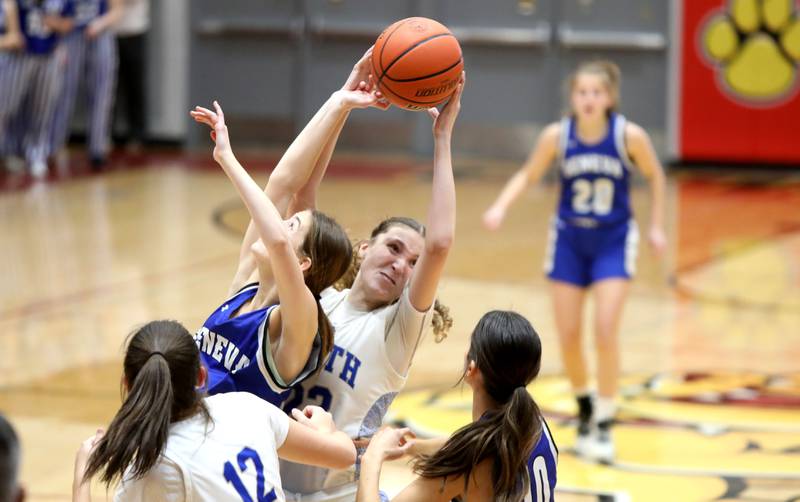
x=636 y=138
x=243 y=407
x=551 y=133
x=331 y=297
x=634 y=131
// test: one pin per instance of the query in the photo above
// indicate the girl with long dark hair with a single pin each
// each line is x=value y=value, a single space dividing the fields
x=170 y=442
x=507 y=453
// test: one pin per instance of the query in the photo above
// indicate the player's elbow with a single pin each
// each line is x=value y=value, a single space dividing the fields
x=286 y=181
x=439 y=245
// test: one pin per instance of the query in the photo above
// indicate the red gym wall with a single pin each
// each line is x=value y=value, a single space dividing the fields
x=744 y=105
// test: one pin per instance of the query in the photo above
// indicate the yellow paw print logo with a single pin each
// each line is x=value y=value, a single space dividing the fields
x=756 y=46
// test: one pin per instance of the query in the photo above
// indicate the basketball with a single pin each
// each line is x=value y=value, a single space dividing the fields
x=417 y=63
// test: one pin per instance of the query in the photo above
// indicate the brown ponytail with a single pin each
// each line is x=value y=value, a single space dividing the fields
x=161 y=367
x=441 y=320
x=507 y=351
x=330 y=251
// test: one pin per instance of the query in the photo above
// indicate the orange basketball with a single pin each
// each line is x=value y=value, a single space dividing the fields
x=417 y=63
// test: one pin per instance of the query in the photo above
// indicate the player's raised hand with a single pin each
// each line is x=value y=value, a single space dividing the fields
x=219 y=131
x=362 y=97
x=444 y=120
x=360 y=73
x=359 y=89
x=316 y=418
x=389 y=443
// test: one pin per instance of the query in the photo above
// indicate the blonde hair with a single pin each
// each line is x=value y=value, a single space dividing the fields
x=608 y=71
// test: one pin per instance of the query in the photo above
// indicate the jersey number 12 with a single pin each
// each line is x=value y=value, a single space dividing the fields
x=233 y=477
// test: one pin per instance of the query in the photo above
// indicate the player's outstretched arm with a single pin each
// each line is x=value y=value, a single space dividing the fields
x=314 y=440
x=641 y=151
x=441 y=219
x=426 y=447
x=386 y=444
x=298 y=308
x=359 y=92
x=293 y=184
x=531 y=172
x=390 y=444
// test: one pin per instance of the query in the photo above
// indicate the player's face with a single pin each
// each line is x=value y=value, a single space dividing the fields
x=590 y=97
x=389 y=261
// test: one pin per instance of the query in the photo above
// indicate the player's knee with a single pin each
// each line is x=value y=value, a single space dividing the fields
x=570 y=337
x=606 y=336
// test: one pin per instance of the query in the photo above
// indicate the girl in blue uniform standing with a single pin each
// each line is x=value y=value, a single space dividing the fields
x=593 y=239
x=507 y=453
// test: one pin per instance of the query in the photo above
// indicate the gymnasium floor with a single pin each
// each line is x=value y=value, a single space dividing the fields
x=710 y=334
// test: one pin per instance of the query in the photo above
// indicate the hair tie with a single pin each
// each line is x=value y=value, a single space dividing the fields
x=155 y=352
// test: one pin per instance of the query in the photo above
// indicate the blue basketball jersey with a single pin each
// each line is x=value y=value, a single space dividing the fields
x=87 y=10
x=237 y=352
x=542 y=465
x=594 y=178
x=39 y=38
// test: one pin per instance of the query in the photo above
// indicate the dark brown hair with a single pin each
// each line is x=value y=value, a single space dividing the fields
x=330 y=251
x=508 y=353
x=9 y=461
x=441 y=320
x=161 y=367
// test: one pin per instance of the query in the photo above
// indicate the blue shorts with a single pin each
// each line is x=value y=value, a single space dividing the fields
x=584 y=254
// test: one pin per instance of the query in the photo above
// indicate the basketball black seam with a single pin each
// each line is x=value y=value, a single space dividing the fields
x=426 y=76
x=410 y=100
x=383 y=47
x=384 y=71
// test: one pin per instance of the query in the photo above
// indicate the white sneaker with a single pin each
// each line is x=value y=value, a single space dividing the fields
x=584 y=442
x=39 y=169
x=602 y=447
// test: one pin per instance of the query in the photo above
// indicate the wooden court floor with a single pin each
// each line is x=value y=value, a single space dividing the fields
x=710 y=336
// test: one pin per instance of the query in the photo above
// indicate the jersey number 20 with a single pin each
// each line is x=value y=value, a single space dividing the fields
x=596 y=197
x=233 y=477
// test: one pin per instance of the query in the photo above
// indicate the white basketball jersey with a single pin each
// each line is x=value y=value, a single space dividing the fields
x=357 y=383
x=233 y=457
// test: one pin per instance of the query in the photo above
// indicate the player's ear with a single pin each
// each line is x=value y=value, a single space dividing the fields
x=362 y=248
x=305 y=263
x=202 y=377
x=471 y=372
